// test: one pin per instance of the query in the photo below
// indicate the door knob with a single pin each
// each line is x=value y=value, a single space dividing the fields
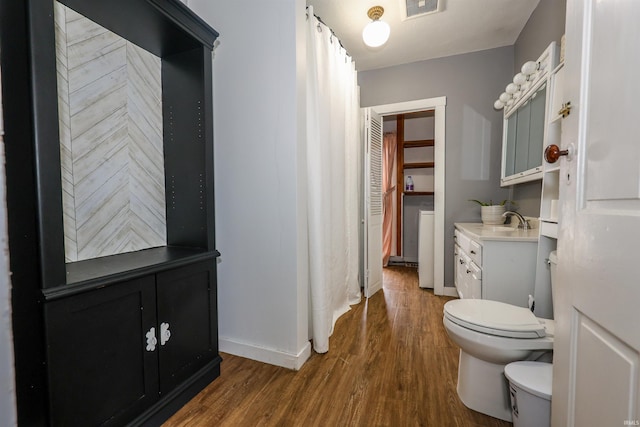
x=552 y=153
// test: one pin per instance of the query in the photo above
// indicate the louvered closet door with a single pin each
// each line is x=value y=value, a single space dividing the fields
x=373 y=203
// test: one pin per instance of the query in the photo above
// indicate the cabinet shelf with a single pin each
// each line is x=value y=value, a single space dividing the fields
x=95 y=273
x=419 y=165
x=419 y=143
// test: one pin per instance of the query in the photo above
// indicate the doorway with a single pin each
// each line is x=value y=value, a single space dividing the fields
x=437 y=106
x=408 y=164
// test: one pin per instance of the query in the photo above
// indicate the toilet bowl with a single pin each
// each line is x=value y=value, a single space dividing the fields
x=492 y=334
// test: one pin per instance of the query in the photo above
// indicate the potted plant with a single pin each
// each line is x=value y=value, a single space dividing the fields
x=490 y=212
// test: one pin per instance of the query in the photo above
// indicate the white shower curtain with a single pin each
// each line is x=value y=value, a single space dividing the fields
x=332 y=167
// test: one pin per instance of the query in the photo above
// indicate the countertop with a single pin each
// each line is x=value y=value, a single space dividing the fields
x=478 y=231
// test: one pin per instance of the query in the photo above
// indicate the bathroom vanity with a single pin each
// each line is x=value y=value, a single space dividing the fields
x=495 y=262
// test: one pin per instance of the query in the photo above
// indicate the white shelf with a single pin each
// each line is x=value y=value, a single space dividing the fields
x=549 y=229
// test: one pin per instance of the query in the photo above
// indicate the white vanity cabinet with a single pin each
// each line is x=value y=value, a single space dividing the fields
x=495 y=265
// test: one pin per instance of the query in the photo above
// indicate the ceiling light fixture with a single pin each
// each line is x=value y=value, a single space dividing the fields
x=376 y=33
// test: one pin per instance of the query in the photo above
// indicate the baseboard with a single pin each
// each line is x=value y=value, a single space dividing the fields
x=266 y=355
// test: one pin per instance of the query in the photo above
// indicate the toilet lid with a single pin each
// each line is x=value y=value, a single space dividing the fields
x=494 y=318
x=533 y=377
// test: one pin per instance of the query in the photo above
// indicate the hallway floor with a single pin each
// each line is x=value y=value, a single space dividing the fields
x=390 y=363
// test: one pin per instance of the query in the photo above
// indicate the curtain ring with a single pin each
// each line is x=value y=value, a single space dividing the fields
x=331 y=39
x=319 y=28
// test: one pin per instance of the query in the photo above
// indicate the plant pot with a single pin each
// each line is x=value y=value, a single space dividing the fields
x=492 y=215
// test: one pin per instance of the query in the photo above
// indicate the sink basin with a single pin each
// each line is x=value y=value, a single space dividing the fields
x=499 y=228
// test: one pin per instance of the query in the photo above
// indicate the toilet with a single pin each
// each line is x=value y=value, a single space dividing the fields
x=492 y=334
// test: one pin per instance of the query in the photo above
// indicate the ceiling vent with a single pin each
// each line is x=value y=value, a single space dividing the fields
x=416 y=8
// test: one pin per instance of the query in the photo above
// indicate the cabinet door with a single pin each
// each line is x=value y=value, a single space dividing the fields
x=536 y=128
x=187 y=307
x=100 y=372
x=522 y=138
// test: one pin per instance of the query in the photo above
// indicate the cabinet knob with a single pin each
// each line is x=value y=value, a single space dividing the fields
x=461 y=261
x=152 y=341
x=552 y=153
x=473 y=252
x=165 y=333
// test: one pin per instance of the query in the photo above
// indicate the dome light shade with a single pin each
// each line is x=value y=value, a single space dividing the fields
x=376 y=33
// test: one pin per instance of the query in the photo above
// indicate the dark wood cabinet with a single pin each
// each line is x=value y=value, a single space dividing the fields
x=114 y=352
x=100 y=372
x=186 y=301
x=83 y=331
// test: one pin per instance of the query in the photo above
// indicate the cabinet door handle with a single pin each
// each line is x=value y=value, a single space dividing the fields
x=165 y=333
x=468 y=271
x=473 y=252
x=152 y=341
x=565 y=110
x=461 y=261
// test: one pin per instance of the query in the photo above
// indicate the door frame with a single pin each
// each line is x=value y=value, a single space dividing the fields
x=439 y=105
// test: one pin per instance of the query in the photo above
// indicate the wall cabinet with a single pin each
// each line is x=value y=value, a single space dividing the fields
x=524 y=127
x=525 y=132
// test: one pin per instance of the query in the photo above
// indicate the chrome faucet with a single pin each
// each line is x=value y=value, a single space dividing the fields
x=524 y=223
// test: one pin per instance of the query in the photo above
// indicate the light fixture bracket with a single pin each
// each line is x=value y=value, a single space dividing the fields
x=375 y=12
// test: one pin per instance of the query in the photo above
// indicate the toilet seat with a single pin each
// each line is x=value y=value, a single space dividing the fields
x=494 y=318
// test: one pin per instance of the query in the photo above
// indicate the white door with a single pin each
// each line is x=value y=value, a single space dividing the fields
x=373 y=203
x=596 y=356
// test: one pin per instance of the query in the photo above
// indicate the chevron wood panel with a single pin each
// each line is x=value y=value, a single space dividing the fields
x=110 y=140
x=146 y=184
x=66 y=160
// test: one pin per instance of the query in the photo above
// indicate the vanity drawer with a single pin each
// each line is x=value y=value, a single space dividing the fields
x=475 y=252
x=463 y=241
x=474 y=281
x=469 y=280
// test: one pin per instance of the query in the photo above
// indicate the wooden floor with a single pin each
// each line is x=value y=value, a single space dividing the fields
x=390 y=363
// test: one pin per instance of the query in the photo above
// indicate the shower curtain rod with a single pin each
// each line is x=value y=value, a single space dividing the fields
x=331 y=30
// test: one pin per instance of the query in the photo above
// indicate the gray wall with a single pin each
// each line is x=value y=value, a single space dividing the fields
x=471 y=83
x=545 y=25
